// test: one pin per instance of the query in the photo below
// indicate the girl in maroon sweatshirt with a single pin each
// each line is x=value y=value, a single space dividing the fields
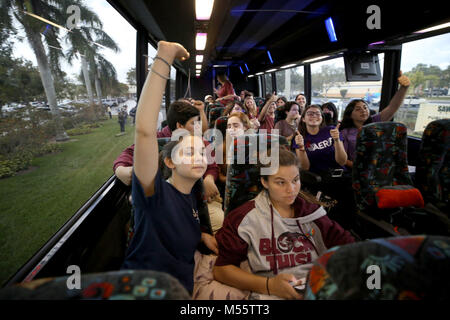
x=281 y=232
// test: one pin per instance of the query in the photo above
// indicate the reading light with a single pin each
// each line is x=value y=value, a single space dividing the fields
x=375 y=43
x=440 y=26
x=330 y=29
x=199 y=58
x=203 y=9
x=198 y=66
x=270 y=57
x=259 y=73
x=250 y=76
x=288 y=66
x=315 y=59
x=271 y=70
x=200 y=41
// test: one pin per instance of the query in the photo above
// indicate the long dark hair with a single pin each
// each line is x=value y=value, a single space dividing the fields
x=302 y=125
x=347 y=121
x=332 y=107
x=286 y=159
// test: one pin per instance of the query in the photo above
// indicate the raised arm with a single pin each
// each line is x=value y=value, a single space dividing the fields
x=263 y=112
x=388 y=113
x=339 y=152
x=146 y=145
x=201 y=108
x=301 y=151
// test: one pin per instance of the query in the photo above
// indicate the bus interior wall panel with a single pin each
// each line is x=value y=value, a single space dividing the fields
x=392 y=60
x=141 y=59
x=86 y=236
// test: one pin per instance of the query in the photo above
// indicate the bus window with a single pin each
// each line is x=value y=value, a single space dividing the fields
x=58 y=146
x=329 y=85
x=427 y=64
x=290 y=82
x=268 y=78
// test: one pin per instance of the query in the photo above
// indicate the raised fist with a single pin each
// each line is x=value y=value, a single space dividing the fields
x=404 y=80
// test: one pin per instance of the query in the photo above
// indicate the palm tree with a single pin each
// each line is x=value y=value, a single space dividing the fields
x=26 y=11
x=88 y=40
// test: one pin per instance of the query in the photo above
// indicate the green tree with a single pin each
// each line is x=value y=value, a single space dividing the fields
x=86 y=42
x=131 y=76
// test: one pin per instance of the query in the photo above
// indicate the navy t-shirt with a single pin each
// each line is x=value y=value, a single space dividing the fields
x=167 y=231
x=320 y=151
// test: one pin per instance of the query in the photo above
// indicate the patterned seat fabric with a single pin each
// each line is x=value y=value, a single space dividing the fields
x=214 y=114
x=210 y=106
x=259 y=102
x=433 y=164
x=243 y=172
x=381 y=160
x=114 y=285
x=407 y=268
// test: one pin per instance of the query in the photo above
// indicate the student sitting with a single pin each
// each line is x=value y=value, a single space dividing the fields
x=320 y=150
x=321 y=144
x=289 y=126
x=267 y=115
x=237 y=125
x=181 y=115
x=357 y=114
x=330 y=114
x=281 y=232
x=167 y=226
x=252 y=112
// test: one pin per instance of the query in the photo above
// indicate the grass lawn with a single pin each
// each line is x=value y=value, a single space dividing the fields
x=35 y=204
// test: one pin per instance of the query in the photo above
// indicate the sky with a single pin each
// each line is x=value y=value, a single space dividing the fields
x=434 y=50
x=116 y=27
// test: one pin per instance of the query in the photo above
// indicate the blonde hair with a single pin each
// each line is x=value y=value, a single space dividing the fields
x=243 y=117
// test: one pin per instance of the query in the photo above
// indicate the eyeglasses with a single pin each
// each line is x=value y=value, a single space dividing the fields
x=312 y=114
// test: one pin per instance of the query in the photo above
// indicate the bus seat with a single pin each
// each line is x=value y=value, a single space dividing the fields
x=259 y=102
x=113 y=285
x=243 y=179
x=221 y=124
x=214 y=114
x=211 y=106
x=412 y=268
x=433 y=165
x=381 y=161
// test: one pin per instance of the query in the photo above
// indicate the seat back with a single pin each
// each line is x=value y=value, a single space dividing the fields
x=210 y=106
x=381 y=160
x=214 y=114
x=243 y=173
x=259 y=102
x=433 y=164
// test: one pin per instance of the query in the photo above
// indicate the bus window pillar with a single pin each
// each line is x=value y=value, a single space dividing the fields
x=392 y=60
x=307 y=77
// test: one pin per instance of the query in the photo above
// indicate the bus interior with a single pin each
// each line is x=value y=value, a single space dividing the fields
x=253 y=42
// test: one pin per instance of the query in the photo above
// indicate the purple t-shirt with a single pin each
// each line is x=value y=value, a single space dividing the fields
x=350 y=134
x=320 y=151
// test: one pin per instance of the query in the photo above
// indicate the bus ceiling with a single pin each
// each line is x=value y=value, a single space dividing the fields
x=259 y=35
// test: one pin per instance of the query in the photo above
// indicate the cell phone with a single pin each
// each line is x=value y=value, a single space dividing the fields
x=337 y=173
x=300 y=288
